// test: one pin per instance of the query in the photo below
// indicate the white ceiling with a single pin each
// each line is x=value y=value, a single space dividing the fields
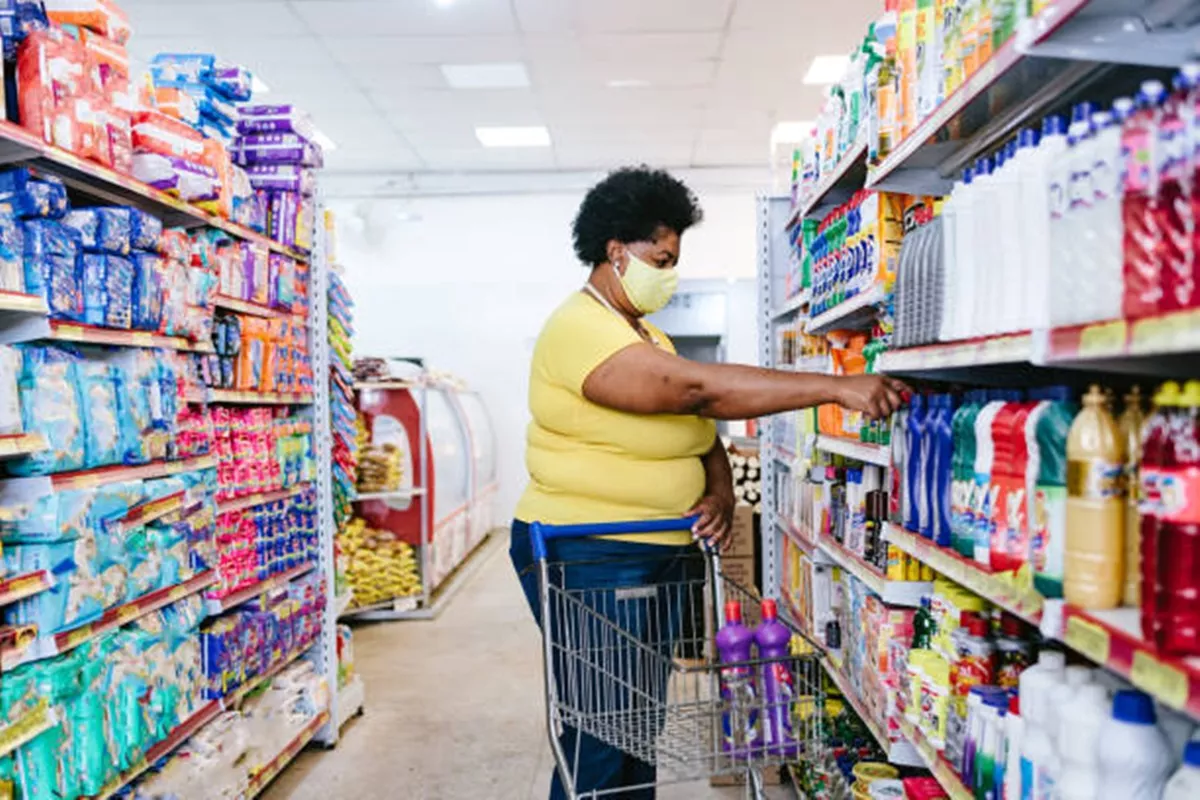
x=720 y=73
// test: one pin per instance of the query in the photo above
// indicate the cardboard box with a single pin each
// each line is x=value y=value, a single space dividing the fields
x=740 y=571
x=743 y=540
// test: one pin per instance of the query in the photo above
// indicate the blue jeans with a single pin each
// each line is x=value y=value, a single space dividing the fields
x=603 y=566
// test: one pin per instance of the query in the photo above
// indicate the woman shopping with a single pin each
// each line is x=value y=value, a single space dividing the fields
x=623 y=428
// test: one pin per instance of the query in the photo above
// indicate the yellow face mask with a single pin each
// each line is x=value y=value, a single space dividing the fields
x=647 y=288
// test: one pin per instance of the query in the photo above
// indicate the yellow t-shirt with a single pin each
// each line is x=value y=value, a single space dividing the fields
x=588 y=463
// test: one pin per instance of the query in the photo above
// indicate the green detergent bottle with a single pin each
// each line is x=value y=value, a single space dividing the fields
x=962 y=465
x=1049 y=518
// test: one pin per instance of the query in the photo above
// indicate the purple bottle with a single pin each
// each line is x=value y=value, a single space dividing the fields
x=778 y=685
x=739 y=718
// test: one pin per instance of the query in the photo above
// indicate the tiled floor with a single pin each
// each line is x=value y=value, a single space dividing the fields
x=454 y=707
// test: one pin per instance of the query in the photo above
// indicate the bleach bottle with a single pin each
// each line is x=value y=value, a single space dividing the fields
x=941 y=469
x=962 y=486
x=1134 y=754
x=778 y=685
x=739 y=700
x=985 y=493
x=1185 y=783
x=916 y=506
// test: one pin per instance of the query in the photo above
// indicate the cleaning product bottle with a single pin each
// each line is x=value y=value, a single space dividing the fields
x=985 y=278
x=1075 y=677
x=942 y=470
x=1109 y=282
x=1172 y=204
x=1177 y=587
x=1078 y=741
x=1095 y=546
x=1185 y=783
x=965 y=253
x=918 y=503
x=1034 y=242
x=778 y=684
x=988 y=752
x=985 y=491
x=1009 y=514
x=962 y=488
x=1014 y=731
x=739 y=697
x=1049 y=518
x=1131 y=423
x=898 y=510
x=1039 y=760
x=1158 y=459
x=1141 y=235
x=1072 y=283
x=1135 y=756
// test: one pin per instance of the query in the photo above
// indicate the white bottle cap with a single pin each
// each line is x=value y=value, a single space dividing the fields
x=1052 y=659
x=1079 y=675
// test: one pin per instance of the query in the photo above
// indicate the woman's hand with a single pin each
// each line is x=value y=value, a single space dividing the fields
x=877 y=396
x=716 y=520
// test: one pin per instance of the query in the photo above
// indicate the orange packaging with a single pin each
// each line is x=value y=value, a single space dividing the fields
x=102 y=16
x=156 y=132
x=216 y=155
x=51 y=68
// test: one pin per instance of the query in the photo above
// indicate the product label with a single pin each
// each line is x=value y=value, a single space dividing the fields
x=1058 y=198
x=1095 y=479
x=1009 y=524
x=1172 y=495
x=739 y=720
x=1137 y=153
x=1027 y=773
x=1044 y=786
x=1048 y=530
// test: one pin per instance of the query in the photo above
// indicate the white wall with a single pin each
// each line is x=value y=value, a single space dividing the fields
x=468 y=282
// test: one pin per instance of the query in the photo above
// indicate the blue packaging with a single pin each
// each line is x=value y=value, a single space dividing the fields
x=181 y=69
x=12 y=251
x=50 y=237
x=58 y=279
x=232 y=82
x=33 y=194
x=17 y=19
x=103 y=230
x=108 y=290
x=98 y=395
x=146 y=299
x=145 y=229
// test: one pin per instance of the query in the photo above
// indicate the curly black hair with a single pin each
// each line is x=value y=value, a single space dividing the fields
x=629 y=205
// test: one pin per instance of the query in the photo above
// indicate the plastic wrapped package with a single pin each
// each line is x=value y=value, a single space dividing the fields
x=10 y=397
x=217 y=157
x=283 y=178
x=17 y=19
x=51 y=70
x=102 y=16
x=176 y=103
x=282 y=216
x=155 y=171
x=274 y=119
x=98 y=383
x=52 y=268
x=306 y=221
x=147 y=296
x=176 y=69
x=284 y=270
x=108 y=290
x=99 y=231
x=12 y=253
x=277 y=148
x=32 y=194
x=156 y=132
x=233 y=82
x=108 y=60
x=175 y=244
x=50 y=406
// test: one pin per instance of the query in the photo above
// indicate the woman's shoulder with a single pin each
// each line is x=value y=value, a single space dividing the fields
x=576 y=312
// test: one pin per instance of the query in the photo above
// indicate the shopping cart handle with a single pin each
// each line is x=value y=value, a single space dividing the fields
x=540 y=533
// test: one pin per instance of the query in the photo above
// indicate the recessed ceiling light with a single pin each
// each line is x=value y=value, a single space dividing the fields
x=486 y=76
x=519 y=136
x=628 y=83
x=326 y=143
x=257 y=86
x=791 y=131
x=826 y=69
x=443 y=3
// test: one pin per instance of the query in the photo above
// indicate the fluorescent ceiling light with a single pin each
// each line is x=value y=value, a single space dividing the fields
x=826 y=69
x=520 y=136
x=326 y=143
x=257 y=86
x=791 y=131
x=628 y=83
x=511 y=75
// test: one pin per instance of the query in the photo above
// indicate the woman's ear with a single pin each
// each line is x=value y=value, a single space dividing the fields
x=614 y=253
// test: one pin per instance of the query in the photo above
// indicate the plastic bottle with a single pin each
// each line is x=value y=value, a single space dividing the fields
x=1132 y=423
x=962 y=487
x=1141 y=234
x=739 y=720
x=1108 y=280
x=1010 y=543
x=1047 y=541
x=1185 y=783
x=1158 y=457
x=778 y=685
x=964 y=254
x=1172 y=206
x=1095 y=546
x=1014 y=731
x=1034 y=242
x=1079 y=725
x=1075 y=677
x=1073 y=282
x=988 y=753
x=1177 y=625
x=985 y=277
x=985 y=492
x=918 y=500
x=951 y=279
x=1039 y=760
x=898 y=499
x=1061 y=241
x=1135 y=757
x=941 y=469
x=1011 y=298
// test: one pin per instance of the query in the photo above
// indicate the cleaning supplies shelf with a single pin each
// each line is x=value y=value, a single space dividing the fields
x=860 y=451
x=1162 y=334
x=995 y=588
x=897 y=593
x=256 y=590
x=857 y=312
x=900 y=753
x=793 y=304
x=1012 y=348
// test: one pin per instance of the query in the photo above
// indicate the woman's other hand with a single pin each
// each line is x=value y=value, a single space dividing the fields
x=877 y=396
x=716 y=520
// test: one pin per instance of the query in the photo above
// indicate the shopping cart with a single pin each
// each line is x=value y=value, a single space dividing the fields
x=635 y=666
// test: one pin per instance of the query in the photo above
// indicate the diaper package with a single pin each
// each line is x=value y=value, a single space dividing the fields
x=259 y=119
x=100 y=384
x=277 y=148
x=51 y=406
x=12 y=252
x=102 y=16
x=233 y=82
x=181 y=69
x=282 y=178
x=17 y=19
x=146 y=299
x=10 y=397
x=32 y=194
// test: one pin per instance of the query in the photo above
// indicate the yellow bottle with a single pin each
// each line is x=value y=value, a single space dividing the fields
x=1095 y=541
x=1131 y=424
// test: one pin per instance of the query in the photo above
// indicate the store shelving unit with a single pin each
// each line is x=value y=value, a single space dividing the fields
x=792 y=304
x=896 y=593
x=28 y=727
x=263 y=778
x=260 y=498
x=21 y=444
x=844 y=180
x=21 y=586
x=854 y=313
x=933 y=761
x=243 y=595
x=900 y=753
x=860 y=451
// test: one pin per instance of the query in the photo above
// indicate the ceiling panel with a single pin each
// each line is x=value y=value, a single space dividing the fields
x=477 y=107
x=545 y=16
x=618 y=16
x=479 y=158
x=263 y=18
x=395 y=77
x=612 y=156
x=388 y=50
x=631 y=49
x=799 y=17
x=379 y=159
x=406 y=17
x=724 y=154
x=598 y=75
x=621 y=135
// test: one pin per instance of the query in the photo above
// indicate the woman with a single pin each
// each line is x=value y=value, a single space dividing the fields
x=623 y=427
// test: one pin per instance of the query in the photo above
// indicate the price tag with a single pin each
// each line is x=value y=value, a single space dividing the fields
x=143 y=340
x=76 y=637
x=1088 y=638
x=12 y=736
x=1104 y=339
x=68 y=331
x=1169 y=684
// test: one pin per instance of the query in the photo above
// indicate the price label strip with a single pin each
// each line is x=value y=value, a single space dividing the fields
x=1088 y=638
x=1169 y=684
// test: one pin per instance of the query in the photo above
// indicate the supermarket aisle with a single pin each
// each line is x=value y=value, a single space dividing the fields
x=453 y=707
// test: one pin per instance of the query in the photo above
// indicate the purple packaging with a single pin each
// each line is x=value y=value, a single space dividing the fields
x=277 y=148
x=156 y=171
x=281 y=218
x=274 y=119
x=233 y=82
x=283 y=178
